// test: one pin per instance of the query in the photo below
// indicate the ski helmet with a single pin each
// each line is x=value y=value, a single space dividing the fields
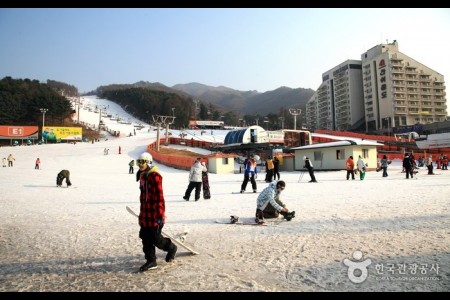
x=146 y=157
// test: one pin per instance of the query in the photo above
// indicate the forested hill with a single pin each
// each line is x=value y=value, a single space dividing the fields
x=22 y=99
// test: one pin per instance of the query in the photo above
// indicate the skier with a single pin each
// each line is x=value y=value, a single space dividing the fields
x=38 y=162
x=152 y=213
x=308 y=165
x=4 y=161
x=205 y=181
x=120 y=150
x=195 y=180
x=269 y=205
x=60 y=177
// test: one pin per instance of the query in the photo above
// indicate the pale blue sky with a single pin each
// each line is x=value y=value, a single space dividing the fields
x=244 y=49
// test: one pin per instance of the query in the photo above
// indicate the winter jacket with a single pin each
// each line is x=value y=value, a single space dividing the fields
x=276 y=163
x=195 y=175
x=407 y=163
x=269 y=164
x=64 y=174
x=308 y=165
x=250 y=167
x=350 y=164
x=384 y=163
x=269 y=195
x=152 y=211
x=361 y=164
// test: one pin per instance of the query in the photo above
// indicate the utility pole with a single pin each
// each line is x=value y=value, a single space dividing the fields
x=162 y=120
x=389 y=125
x=295 y=112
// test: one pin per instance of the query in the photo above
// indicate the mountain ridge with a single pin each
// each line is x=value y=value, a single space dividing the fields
x=247 y=101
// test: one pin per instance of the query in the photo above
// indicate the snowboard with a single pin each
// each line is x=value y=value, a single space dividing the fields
x=242 y=223
x=235 y=221
x=205 y=182
x=178 y=241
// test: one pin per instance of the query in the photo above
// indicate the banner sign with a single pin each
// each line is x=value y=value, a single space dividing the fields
x=8 y=132
x=63 y=133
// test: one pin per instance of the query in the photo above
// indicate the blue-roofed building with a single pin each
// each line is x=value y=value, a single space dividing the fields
x=252 y=134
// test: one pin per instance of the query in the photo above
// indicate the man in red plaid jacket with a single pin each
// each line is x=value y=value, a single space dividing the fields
x=152 y=213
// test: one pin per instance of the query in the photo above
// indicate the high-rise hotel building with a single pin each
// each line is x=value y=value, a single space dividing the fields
x=338 y=102
x=399 y=91
x=393 y=90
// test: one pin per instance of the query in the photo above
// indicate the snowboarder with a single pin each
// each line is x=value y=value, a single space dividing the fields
x=152 y=213
x=269 y=205
x=195 y=180
x=205 y=181
x=60 y=177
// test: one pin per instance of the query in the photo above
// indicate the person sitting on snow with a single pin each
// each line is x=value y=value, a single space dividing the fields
x=269 y=205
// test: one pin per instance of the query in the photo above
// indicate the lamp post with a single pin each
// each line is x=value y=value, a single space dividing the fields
x=295 y=112
x=43 y=111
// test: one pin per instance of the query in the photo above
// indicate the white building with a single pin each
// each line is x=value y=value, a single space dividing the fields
x=399 y=91
x=391 y=90
x=333 y=155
